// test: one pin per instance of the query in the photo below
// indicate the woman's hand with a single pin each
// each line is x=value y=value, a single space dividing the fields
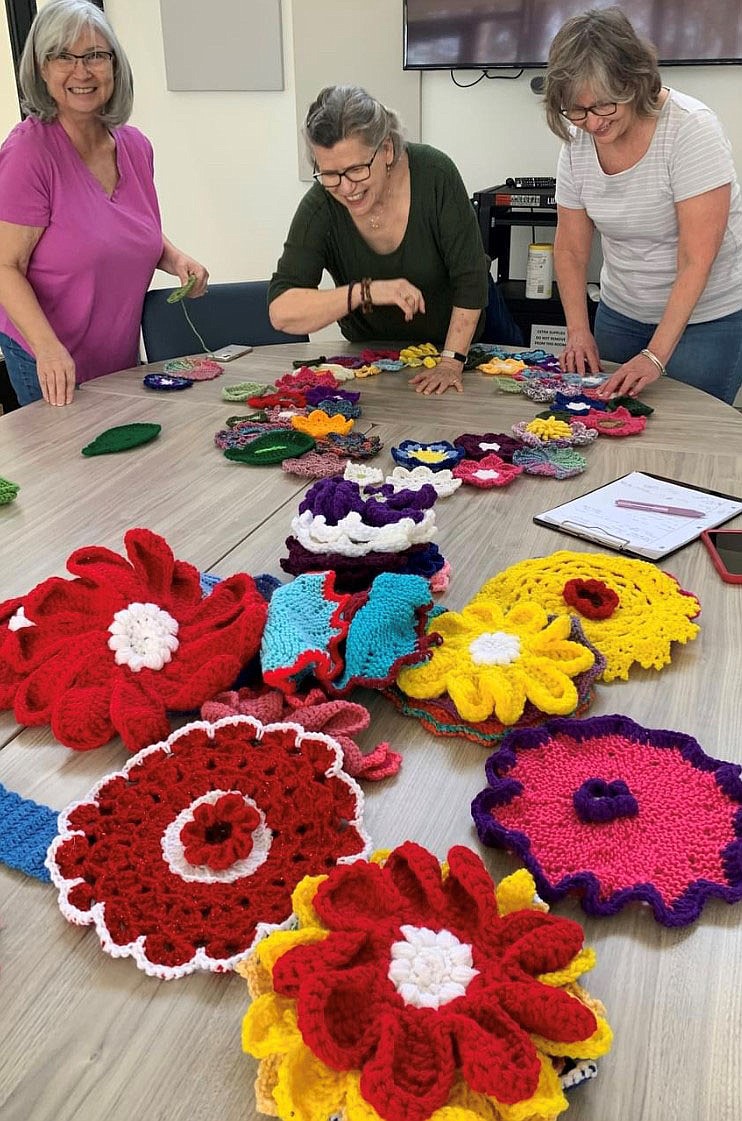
x=630 y=379
x=446 y=375
x=398 y=293
x=185 y=267
x=56 y=373
x=580 y=355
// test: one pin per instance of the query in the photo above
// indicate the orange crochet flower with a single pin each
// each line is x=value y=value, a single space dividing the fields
x=319 y=424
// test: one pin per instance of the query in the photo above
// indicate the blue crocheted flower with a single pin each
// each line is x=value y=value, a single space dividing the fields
x=577 y=405
x=303 y=630
x=437 y=456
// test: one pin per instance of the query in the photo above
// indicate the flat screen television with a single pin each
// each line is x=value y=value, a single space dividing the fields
x=489 y=34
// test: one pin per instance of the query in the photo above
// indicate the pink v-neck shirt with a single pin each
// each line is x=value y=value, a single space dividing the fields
x=93 y=263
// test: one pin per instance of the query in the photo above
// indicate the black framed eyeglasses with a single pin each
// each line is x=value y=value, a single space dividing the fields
x=91 y=60
x=357 y=173
x=600 y=109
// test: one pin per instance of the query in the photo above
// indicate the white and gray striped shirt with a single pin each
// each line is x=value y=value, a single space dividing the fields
x=634 y=211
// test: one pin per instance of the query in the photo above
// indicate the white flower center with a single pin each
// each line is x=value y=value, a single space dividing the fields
x=489 y=447
x=18 y=621
x=495 y=648
x=430 y=967
x=143 y=636
x=486 y=473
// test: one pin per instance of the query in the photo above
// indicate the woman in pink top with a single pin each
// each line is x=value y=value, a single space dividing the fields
x=80 y=230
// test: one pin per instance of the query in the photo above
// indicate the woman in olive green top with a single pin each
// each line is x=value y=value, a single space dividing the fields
x=392 y=224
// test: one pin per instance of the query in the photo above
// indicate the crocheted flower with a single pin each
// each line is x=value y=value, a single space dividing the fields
x=500 y=367
x=653 y=610
x=311 y=465
x=488 y=472
x=617 y=812
x=306 y=623
x=618 y=422
x=316 y=394
x=352 y=446
x=356 y=573
x=352 y=537
x=362 y=475
x=415 y=992
x=115 y=649
x=286 y=399
x=592 y=598
x=437 y=456
x=319 y=424
x=491 y=661
x=306 y=378
x=334 y=499
x=187 y=855
x=477 y=447
x=579 y=405
x=555 y=463
x=443 y=482
x=544 y=431
x=367 y=371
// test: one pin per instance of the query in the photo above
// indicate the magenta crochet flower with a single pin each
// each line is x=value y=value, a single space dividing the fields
x=617 y=813
x=619 y=422
x=488 y=472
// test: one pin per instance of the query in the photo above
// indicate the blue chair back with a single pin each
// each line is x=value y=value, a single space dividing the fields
x=228 y=313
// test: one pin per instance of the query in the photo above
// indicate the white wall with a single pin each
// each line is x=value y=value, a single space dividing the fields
x=227 y=162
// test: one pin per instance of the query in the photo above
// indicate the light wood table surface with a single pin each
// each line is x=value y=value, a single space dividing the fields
x=89 y=1038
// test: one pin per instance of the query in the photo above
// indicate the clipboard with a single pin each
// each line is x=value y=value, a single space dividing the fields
x=649 y=535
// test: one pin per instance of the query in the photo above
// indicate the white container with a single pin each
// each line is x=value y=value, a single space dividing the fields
x=540 y=271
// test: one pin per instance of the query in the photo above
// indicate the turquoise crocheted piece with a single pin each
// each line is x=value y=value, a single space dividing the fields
x=387 y=632
x=26 y=831
x=304 y=628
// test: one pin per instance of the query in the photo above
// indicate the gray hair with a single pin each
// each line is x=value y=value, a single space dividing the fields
x=53 y=30
x=342 y=111
x=600 y=49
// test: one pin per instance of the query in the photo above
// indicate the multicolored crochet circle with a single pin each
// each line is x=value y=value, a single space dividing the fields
x=653 y=610
x=555 y=463
x=415 y=991
x=199 y=369
x=190 y=853
x=617 y=813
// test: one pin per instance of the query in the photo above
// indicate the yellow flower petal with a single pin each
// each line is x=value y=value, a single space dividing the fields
x=301 y=900
x=580 y=964
x=269 y=1026
x=598 y=1044
x=505 y=684
x=275 y=945
x=516 y=892
x=547 y=686
x=307 y=1090
x=472 y=695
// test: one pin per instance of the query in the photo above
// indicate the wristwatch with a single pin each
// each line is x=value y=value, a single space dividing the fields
x=454 y=354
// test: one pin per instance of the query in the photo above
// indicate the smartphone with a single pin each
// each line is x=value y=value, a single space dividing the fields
x=227 y=353
x=725 y=549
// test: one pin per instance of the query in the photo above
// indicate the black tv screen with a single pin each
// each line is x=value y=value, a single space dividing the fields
x=487 y=34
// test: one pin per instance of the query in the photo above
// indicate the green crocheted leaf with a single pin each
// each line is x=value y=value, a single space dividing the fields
x=180 y=293
x=273 y=447
x=121 y=438
x=8 y=491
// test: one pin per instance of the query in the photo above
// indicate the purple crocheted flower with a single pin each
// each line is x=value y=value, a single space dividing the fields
x=616 y=812
x=335 y=498
x=489 y=443
x=437 y=456
x=316 y=394
x=355 y=574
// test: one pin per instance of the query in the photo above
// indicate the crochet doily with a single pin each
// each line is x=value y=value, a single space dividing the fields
x=187 y=855
x=123 y=643
x=412 y=991
x=617 y=813
x=652 y=613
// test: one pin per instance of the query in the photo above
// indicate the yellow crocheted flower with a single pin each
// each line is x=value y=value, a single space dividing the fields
x=319 y=424
x=502 y=367
x=367 y=371
x=295 y=1084
x=549 y=428
x=425 y=354
x=493 y=661
x=653 y=610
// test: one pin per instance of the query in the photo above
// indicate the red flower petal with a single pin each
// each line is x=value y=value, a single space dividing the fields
x=338 y=952
x=470 y=896
x=416 y=874
x=357 y=897
x=412 y=1071
x=137 y=712
x=548 y=945
x=81 y=717
x=547 y=1011
x=497 y=1056
x=338 y=1015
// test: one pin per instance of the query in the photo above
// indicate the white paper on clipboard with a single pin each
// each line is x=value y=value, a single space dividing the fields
x=595 y=516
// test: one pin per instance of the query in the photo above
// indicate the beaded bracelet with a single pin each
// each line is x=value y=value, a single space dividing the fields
x=655 y=361
x=367 y=304
x=351 y=286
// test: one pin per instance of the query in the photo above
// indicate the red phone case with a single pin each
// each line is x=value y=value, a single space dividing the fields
x=718 y=563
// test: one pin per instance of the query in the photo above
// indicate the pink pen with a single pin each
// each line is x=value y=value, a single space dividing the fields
x=678 y=511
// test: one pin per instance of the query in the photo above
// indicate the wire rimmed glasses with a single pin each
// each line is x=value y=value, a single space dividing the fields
x=600 y=109
x=91 y=60
x=357 y=173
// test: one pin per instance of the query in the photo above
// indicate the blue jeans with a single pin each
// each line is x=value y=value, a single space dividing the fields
x=499 y=325
x=21 y=371
x=708 y=356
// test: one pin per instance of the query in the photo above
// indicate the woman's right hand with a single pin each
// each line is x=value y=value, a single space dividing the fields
x=580 y=355
x=56 y=371
x=398 y=293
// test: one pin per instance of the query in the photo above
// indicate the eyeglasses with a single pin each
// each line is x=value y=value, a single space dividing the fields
x=355 y=174
x=601 y=109
x=91 y=60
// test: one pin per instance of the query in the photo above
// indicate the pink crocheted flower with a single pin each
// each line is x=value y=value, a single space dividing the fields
x=305 y=378
x=491 y=471
x=127 y=641
x=619 y=422
x=419 y=978
x=616 y=812
x=182 y=859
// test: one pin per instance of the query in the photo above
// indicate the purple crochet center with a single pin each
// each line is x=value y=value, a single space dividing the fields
x=355 y=574
x=335 y=498
x=598 y=800
x=503 y=788
x=471 y=445
x=318 y=394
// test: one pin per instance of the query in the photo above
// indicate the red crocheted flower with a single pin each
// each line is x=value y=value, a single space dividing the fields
x=592 y=598
x=420 y=976
x=491 y=471
x=181 y=858
x=126 y=641
x=619 y=422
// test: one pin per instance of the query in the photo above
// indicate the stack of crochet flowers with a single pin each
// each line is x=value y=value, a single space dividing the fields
x=411 y=991
x=123 y=643
x=360 y=531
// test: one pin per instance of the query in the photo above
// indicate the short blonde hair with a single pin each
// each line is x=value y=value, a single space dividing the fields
x=54 y=28
x=602 y=50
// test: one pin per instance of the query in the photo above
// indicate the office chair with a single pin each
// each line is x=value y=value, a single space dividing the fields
x=228 y=313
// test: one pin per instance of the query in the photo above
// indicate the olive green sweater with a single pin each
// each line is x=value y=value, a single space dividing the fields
x=441 y=253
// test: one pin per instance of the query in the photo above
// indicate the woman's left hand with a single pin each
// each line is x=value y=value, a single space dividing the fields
x=446 y=375
x=185 y=267
x=630 y=378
